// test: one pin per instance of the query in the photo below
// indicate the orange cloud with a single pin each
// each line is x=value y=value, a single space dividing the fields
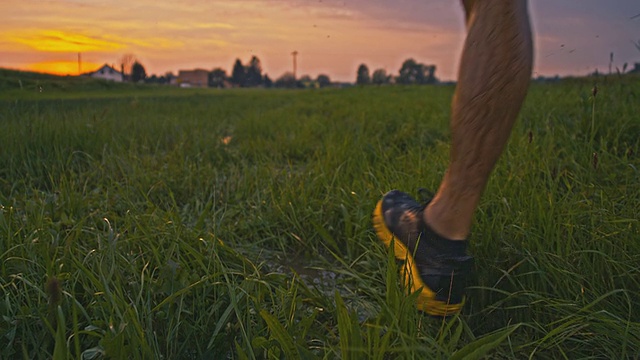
x=61 y=67
x=61 y=41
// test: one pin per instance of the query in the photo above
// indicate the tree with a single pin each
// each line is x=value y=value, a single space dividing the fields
x=253 y=72
x=431 y=74
x=408 y=73
x=153 y=79
x=413 y=72
x=126 y=63
x=363 y=77
x=217 y=78
x=238 y=75
x=266 y=80
x=380 y=77
x=305 y=81
x=138 y=73
x=323 y=80
x=287 y=80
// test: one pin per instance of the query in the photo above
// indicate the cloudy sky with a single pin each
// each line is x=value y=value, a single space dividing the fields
x=331 y=36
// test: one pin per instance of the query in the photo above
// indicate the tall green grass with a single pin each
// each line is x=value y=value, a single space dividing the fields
x=210 y=224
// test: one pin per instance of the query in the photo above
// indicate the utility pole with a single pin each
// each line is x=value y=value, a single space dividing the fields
x=295 y=65
x=79 y=64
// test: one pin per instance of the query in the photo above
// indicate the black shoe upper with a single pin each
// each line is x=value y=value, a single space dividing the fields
x=443 y=263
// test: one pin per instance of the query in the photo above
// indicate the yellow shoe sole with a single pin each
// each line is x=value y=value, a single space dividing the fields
x=426 y=301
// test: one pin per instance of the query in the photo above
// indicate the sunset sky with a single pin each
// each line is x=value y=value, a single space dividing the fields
x=331 y=36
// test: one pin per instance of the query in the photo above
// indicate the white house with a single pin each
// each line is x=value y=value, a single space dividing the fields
x=106 y=72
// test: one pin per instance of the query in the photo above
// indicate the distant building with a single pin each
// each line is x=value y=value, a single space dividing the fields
x=106 y=72
x=193 y=78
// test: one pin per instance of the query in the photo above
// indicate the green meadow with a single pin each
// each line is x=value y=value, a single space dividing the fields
x=142 y=222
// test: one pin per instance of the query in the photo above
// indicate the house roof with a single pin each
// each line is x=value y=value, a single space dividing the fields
x=103 y=67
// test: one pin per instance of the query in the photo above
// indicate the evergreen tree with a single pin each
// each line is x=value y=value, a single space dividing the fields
x=254 y=72
x=239 y=74
x=266 y=80
x=363 y=77
x=138 y=73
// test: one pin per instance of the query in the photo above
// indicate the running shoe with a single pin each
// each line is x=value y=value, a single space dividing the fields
x=429 y=266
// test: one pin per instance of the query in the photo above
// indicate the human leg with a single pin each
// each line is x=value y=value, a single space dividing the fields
x=494 y=74
x=493 y=79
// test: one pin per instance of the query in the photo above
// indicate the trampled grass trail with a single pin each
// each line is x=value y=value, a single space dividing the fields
x=237 y=224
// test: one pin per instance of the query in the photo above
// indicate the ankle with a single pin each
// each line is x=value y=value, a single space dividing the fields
x=447 y=227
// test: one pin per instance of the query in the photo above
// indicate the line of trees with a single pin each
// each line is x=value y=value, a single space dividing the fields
x=411 y=72
x=251 y=75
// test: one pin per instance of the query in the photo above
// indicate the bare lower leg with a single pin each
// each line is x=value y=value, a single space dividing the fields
x=494 y=74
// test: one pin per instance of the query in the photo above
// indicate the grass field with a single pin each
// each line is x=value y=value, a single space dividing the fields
x=161 y=223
